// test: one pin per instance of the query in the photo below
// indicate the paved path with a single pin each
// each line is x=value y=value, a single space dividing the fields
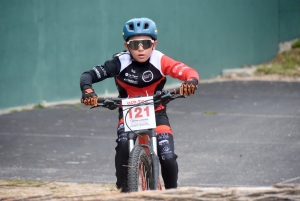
x=227 y=134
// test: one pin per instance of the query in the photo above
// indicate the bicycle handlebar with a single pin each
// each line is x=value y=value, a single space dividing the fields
x=160 y=96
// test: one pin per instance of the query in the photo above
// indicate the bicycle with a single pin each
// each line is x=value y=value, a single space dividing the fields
x=143 y=163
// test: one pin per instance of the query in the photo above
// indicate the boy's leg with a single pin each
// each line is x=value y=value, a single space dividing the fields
x=167 y=157
x=121 y=158
x=165 y=150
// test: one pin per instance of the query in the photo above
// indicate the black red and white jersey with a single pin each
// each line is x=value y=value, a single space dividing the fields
x=138 y=79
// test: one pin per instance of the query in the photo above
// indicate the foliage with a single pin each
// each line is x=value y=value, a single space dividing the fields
x=39 y=106
x=286 y=64
x=296 y=44
x=77 y=106
x=22 y=183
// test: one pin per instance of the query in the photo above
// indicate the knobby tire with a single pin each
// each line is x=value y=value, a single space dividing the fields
x=139 y=170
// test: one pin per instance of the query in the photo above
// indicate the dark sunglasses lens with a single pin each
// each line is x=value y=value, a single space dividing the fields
x=146 y=44
x=136 y=43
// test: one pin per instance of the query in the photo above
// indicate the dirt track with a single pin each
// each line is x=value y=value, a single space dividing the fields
x=279 y=192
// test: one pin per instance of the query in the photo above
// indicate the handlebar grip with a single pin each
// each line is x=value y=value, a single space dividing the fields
x=101 y=100
x=175 y=91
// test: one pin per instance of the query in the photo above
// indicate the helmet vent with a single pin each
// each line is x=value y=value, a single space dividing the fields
x=146 y=26
x=138 y=24
x=130 y=27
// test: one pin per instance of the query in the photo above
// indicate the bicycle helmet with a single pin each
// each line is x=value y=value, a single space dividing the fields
x=139 y=26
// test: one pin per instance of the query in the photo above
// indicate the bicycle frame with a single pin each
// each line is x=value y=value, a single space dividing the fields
x=150 y=145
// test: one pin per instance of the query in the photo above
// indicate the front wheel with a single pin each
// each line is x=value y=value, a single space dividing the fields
x=139 y=170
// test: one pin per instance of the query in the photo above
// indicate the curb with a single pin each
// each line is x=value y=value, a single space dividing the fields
x=238 y=72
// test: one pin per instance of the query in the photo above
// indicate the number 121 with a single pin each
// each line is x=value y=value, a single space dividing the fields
x=138 y=112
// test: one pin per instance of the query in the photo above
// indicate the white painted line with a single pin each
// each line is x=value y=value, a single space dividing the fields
x=289 y=180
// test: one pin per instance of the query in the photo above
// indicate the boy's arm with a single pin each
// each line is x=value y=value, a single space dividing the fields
x=110 y=68
x=177 y=69
x=182 y=72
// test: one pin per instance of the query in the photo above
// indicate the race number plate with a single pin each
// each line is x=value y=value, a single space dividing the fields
x=138 y=117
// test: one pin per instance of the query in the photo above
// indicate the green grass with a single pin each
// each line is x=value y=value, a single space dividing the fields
x=17 y=110
x=285 y=64
x=296 y=44
x=77 y=106
x=38 y=106
x=22 y=183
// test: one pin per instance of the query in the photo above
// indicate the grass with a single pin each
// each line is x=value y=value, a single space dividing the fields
x=285 y=64
x=296 y=44
x=77 y=106
x=16 y=110
x=22 y=183
x=39 y=106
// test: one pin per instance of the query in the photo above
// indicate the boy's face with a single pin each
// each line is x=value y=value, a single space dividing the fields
x=140 y=52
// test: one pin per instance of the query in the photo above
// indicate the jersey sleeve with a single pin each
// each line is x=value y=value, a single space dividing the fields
x=177 y=69
x=110 y=68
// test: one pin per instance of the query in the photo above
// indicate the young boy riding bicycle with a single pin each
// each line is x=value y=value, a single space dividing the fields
x=141 y=71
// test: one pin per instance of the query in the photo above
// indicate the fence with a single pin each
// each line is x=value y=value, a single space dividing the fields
x=46 y=45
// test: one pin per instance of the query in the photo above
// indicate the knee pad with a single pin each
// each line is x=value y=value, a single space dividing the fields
x=165 y=148
x=122 y=140
x=122 y=135
x=167 y=158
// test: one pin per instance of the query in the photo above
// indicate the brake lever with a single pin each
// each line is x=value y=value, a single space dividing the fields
x=178 y=96
x=96 y=106
x=107 y=103
x=172 y=96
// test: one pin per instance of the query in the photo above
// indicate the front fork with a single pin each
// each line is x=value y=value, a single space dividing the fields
x=133 y=135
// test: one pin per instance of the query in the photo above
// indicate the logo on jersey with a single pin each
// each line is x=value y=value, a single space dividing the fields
x=131 y=81
x=183 y=69
x=177 y=66
x=135 y=77
x=147 y=76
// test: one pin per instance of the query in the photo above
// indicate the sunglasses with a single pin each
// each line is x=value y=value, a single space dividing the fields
x=134 y=44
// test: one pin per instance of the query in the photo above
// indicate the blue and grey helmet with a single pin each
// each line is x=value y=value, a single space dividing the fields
x=139 y=26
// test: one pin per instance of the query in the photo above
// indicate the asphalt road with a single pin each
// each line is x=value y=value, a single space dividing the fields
x=233 y=133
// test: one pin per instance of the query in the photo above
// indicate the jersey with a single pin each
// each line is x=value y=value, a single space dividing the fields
x=133 y=78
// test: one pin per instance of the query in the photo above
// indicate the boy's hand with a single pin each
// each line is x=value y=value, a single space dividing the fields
x=188 y=87
x=89 y=97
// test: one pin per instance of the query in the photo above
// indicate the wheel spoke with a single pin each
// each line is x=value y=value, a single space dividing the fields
x=159 y=186
x=142 y=175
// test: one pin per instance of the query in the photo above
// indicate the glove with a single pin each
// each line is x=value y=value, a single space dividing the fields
x=188 y=87
x=89 y=97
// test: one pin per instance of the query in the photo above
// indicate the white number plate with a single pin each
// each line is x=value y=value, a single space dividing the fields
x=138 y=117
